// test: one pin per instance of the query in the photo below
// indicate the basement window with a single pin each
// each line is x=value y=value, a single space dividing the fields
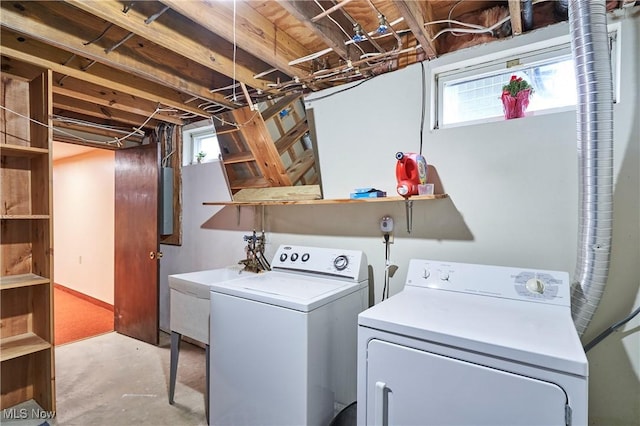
x=472 y=95
x=200 y=138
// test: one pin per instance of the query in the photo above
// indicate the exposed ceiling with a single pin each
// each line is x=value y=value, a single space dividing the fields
x=115 y=64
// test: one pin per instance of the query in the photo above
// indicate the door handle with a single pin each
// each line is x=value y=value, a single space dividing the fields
x=155 y=255
x=380 y=404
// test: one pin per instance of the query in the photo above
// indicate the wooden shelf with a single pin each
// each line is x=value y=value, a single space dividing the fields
x=324 y=201
x=238 y=157
x=22 y=280
x=21 y=151
x=20 y=345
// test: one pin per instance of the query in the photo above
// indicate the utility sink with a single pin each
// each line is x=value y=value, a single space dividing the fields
x=189 y=310
x=189 y=299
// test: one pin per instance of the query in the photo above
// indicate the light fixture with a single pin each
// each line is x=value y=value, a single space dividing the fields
x=357 y=36
x=383 y=25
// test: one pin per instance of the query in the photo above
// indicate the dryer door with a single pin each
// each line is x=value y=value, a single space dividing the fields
x=406 y=386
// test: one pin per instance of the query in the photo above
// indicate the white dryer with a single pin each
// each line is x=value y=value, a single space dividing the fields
x=466 y=344
x=284 y=342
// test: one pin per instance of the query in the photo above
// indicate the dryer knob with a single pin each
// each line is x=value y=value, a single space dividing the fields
x=444 y=276
x=534 y=285
x=426 y=274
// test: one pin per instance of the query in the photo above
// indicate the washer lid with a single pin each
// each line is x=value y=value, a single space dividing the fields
x=530 y=333
x=293 y=291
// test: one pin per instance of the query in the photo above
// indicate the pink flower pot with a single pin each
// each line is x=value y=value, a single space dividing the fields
x=515 y=107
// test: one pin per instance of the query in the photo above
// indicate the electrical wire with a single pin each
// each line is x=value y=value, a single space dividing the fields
x=424 y=105
x=84 y=123
x=48 y=126
x=235 y=124
x=385 y=288
x=137 y=130
x=117 y=141
x=338 y=25
x=235 y=48
x=600 y=337
x=475 y=29
x=341 y=90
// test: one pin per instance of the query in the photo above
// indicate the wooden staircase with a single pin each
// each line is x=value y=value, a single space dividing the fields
x=267 y=147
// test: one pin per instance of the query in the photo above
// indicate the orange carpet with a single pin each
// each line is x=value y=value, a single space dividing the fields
x=77 y=317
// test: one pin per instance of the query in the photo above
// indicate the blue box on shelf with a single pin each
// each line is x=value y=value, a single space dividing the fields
x=367 y=193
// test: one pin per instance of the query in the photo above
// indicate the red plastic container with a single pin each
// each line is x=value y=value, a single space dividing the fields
x=411 y=171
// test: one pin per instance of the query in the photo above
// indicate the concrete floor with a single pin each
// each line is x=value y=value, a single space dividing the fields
x=116 y=380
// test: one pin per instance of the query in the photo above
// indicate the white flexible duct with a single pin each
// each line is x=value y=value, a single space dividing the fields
x=594 y=114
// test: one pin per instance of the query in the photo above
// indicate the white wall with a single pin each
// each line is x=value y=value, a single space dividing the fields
x=211 y=235
x=83 y=220
x=512 y=189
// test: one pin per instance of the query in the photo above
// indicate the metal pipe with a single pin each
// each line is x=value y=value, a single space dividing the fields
x=594 y=115
x=527 y=14
x=330 y=10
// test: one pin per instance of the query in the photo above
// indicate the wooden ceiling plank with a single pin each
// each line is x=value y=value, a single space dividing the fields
x=305 y=11
x=76 y=89
x=171 y=39
x=30 y=22
x=414 y=13
x=257 y=36
x=135 y=87
x=99 y=111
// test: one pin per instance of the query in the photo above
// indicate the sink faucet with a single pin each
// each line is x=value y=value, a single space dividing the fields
x=255 y=261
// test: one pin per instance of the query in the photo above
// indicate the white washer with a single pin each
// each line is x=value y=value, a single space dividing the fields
x=284 y=342
x=467 y=344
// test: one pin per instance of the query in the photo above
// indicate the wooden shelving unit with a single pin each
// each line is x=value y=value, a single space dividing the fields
x=26 y=241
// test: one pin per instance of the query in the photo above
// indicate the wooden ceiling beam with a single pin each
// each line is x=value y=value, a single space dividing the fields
x=414 y=14
x=191 y=47
x=40 y=55
x=30 y=22
x=97 y=131
x=257 y=35
x=92 y=110
x=110 y=98
x=305 y=11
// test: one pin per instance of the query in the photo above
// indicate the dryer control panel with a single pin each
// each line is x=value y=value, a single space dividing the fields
x=350 y=265
x=552 y=287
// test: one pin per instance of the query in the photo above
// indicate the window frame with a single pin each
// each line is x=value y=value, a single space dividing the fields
x=512 y=60
x=192 y=134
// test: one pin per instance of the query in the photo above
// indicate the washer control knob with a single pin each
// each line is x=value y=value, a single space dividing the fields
x=283 y=257
x=305 y=257
x=426 y=273
x=341 y=262
x=534 y=285
x=444 y=276
x=294 y=257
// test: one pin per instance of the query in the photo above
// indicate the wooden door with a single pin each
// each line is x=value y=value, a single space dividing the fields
x=136 y=300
